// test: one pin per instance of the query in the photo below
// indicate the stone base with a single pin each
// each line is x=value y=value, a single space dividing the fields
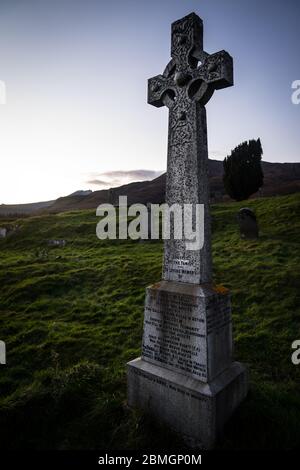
x=187 y=328
x=195 y=410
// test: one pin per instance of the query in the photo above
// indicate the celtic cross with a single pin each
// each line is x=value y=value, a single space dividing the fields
x=186 y=85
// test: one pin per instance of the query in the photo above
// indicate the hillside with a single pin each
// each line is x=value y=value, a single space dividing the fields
x=6 y=209
x=72 y=317
x=280 y=178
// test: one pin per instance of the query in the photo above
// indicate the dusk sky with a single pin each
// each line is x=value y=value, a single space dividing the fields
x=76 y=113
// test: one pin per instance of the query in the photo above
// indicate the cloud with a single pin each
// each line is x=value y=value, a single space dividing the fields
x=132 y=174
x=97 y=182
x=110 y=179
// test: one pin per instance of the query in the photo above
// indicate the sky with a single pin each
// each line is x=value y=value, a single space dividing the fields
x=74 y=77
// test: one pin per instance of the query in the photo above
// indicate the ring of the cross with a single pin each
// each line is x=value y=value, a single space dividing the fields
x=197 y=89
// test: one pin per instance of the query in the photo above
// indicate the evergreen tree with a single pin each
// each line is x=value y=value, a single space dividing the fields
x=243 y=173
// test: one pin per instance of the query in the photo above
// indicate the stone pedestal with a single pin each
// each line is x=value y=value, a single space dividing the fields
x=195 y=410
x=186 y=376
x=187 y=328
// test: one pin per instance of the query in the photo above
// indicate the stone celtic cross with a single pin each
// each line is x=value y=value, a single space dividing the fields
x=186 y=85
x=185 y=376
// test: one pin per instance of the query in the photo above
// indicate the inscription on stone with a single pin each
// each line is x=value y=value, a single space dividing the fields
x=169 y=385
x=175 y=333
x=180 y=268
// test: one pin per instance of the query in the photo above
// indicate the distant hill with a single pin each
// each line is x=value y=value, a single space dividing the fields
x=21 y=209
x=82 y=192
x=30 y=208
x=280 y=179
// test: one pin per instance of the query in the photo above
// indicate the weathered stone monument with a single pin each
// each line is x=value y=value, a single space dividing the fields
x=3 y=232
x=248 y=223
x=186 y=377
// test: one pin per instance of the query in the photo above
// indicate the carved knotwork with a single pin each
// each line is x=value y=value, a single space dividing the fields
x=183 y=73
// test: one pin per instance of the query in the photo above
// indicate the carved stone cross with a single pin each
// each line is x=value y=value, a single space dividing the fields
x=186 y=377
x=186 y=85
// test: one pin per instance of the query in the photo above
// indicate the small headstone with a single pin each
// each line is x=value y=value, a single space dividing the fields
x=248 y=223
x=3 y=232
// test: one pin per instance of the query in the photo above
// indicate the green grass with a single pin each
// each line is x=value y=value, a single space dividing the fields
x=72 y=317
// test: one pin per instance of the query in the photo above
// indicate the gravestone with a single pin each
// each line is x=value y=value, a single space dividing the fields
x=248 y=223
x=186 y=376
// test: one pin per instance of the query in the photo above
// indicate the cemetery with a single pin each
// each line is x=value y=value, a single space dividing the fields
x=71 y=324
x=171 y=325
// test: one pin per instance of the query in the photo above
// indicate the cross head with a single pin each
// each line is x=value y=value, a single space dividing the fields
x=192 y=74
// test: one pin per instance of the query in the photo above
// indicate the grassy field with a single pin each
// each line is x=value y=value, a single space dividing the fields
x=72 y=317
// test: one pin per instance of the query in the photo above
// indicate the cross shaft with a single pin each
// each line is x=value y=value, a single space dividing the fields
x=186 y=85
